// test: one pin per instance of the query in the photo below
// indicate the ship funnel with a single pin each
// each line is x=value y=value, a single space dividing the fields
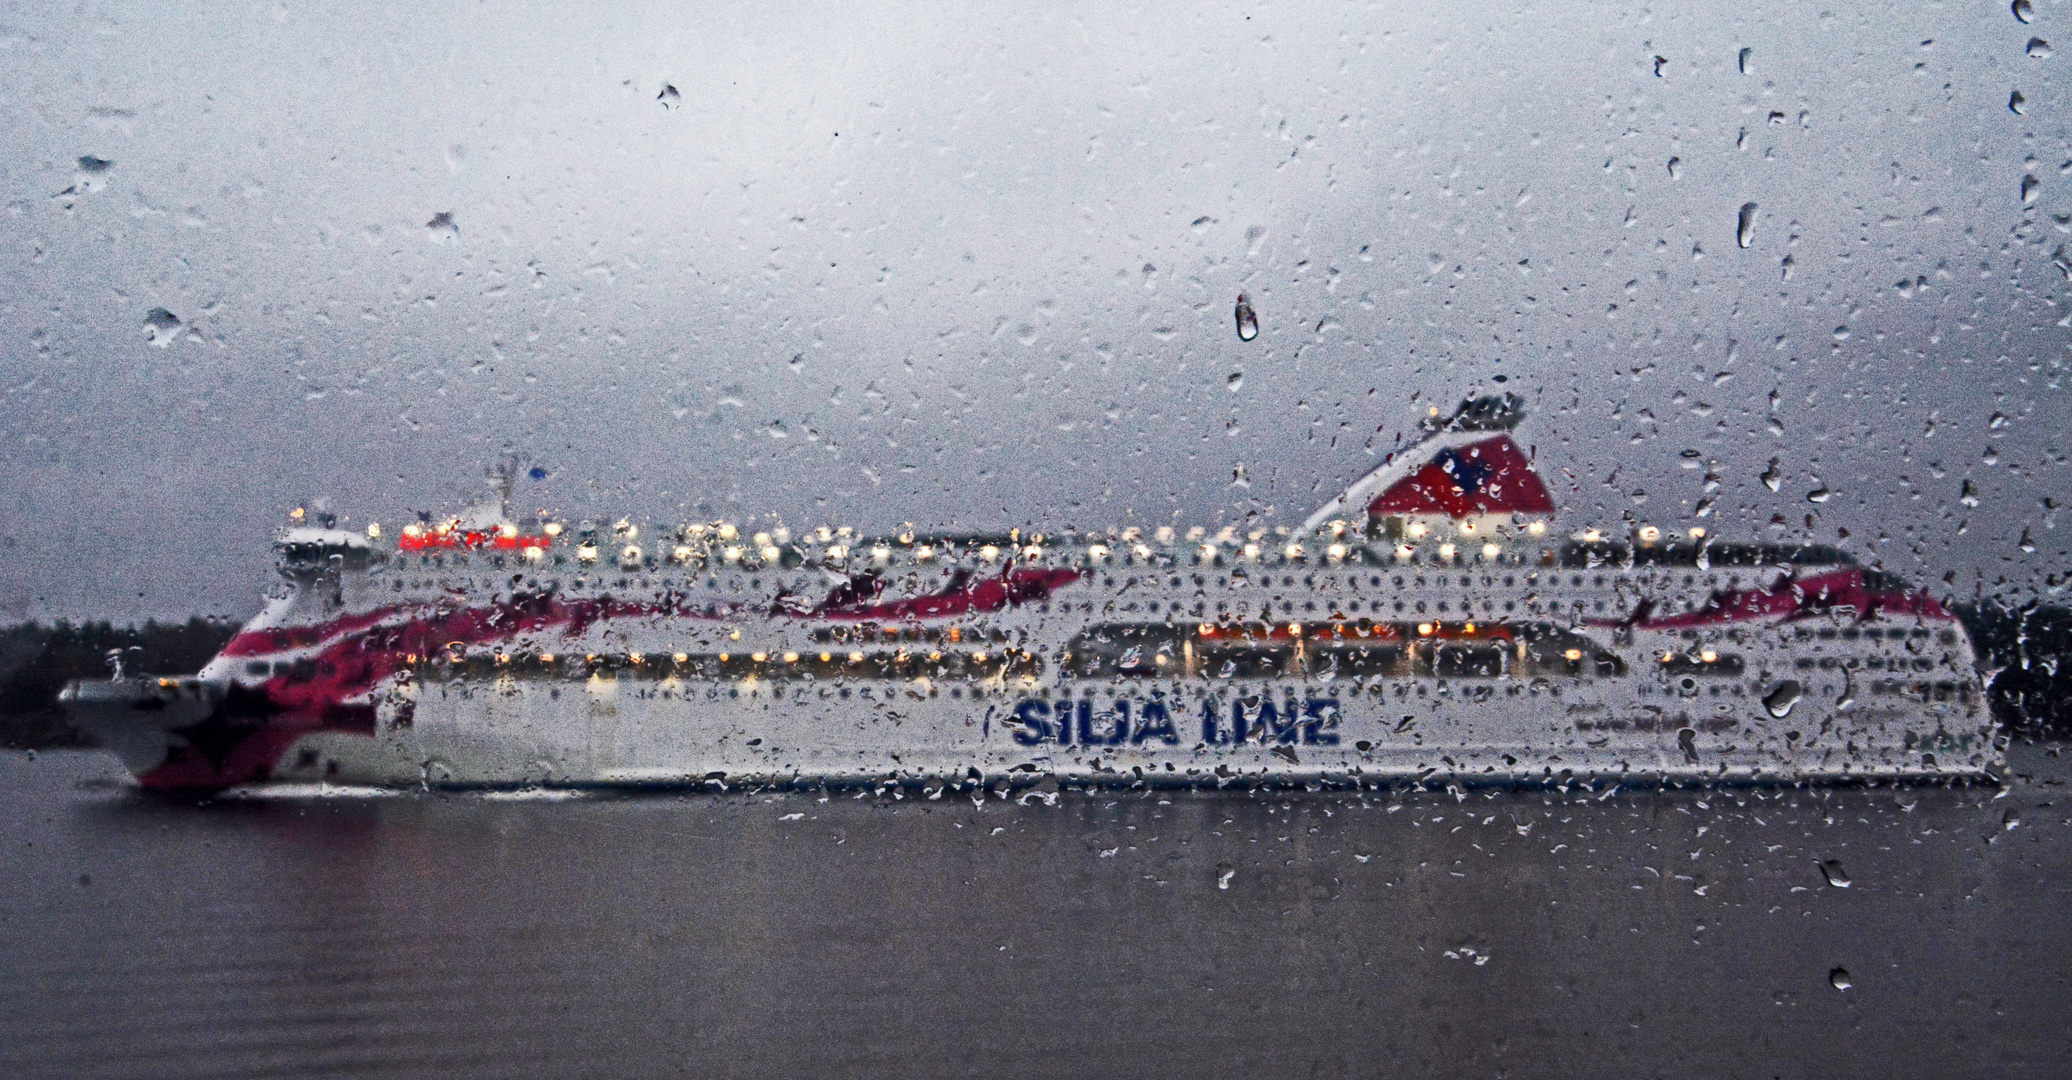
x=1465 y=467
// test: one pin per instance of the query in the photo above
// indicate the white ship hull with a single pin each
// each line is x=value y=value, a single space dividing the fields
x=1462 y=645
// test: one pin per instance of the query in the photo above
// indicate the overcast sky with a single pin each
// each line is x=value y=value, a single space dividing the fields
x=974 y=266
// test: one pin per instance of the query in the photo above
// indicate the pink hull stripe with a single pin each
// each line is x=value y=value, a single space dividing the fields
x=1798 y=598
x=360 y=651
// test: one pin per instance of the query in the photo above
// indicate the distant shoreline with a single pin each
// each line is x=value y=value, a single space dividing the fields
x=2029 y=650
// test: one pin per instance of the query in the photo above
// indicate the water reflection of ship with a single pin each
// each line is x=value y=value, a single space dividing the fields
x=1425 y=621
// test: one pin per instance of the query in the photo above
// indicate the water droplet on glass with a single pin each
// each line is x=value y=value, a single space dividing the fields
x=1235 y=382
x=1835 y=875
x=1773 y=477
x=1996 y=422
x=1675 y=163
x=1839 y=978
x=1744 y=228
x=2038 y=48
x=1841 y=333
x=2016 y=103
x=1659 y=62
x=1743 y=59
x=92 y=164
x=162 y=326
x=2024 y=11
x=1819 y=495
x=2027 y=542
x=1969 y=495
x=1247 y=319
x=669 y=97
x=442 y=224
x=1224 y=872
x=1780 y=700
x=2029 y=186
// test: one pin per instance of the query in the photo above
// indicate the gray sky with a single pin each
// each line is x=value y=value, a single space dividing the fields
x=876 y=263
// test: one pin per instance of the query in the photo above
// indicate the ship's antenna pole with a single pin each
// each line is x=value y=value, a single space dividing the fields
x=502 y=477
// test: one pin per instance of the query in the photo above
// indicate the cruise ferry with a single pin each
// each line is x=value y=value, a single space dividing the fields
x=1426 y=624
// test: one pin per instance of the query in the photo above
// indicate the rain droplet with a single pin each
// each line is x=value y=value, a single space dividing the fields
x=1235 y=382
x=1819 y=495
x=1744 y=228
x=1996 y=422
x=2024 y=11
x=442 y=223
x=162 y=327
x=1839 y=979
x=1675 y=163
x=1835 y=875
x=538 y=472
x=92 y=164
x=1773 y=477
x=2029 y=186
x=1747 y=52
x=1659 y=62
x=1224 y=872
x=669 y=97
x=2037 y=48
x=1780 y=700
x=2016 y=103
x=2027 y=543
x=1841 y=333
x=1247 y=319
x=1968 y=496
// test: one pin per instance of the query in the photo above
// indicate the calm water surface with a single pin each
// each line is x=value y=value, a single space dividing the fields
x=1485 y=933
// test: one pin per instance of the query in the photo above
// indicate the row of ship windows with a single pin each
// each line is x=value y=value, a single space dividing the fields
x=1871 y=663
x=1938 y=691
x=1092 y=661
x=1399 y=581
x=1945 y=690
x=1588 y=555
x=1209 y=661
x=1222 y=607
x=1872 y=633
x=1201 y=608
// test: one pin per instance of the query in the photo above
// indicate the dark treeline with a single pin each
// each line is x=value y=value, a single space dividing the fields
x=36 y=661
x=2031 y=648
x=2028 y=648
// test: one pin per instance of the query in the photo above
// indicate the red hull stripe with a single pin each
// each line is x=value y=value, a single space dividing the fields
x=360 y=651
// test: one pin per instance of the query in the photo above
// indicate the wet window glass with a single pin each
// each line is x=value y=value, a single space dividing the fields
x=813 y=539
